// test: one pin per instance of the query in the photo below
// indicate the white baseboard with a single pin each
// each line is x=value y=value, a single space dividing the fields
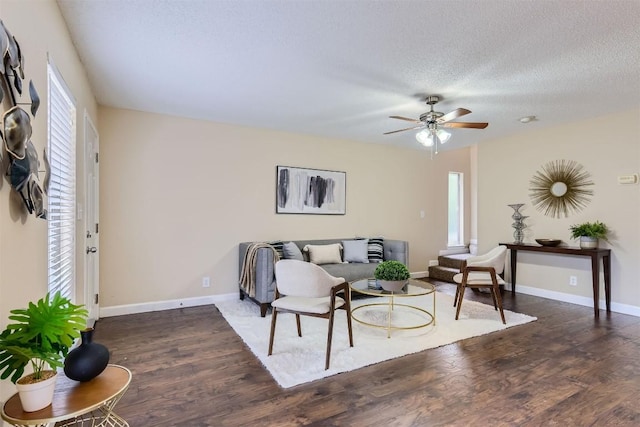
x=120 y=310
x=419 y=274
x=145 y=307
x=576 y=299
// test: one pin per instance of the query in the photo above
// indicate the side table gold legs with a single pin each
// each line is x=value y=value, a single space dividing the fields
x=100 y=417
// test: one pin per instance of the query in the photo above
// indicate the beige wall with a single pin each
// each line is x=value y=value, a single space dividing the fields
x=40 y=31
x=607 y=147
x=178 y=195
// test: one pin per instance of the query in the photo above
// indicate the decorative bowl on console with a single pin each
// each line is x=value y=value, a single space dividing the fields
x=548 y=242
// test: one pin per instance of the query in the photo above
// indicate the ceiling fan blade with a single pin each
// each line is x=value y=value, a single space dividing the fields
x=405 y=118
x=458 y=112
x=402 y=130
x=464 y=125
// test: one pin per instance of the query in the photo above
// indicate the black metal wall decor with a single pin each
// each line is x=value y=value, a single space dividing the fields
x=560 y=188
x=21 y=164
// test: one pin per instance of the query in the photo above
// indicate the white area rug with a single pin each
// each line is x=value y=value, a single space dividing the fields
x=298 y=360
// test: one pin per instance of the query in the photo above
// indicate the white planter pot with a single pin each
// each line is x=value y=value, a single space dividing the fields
x=392 y=285
x=37 y=395
x=588 y=242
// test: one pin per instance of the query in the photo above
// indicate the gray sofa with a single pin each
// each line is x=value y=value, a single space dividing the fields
x=264 y=272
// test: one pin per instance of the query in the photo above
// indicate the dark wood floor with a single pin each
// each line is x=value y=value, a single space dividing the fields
x=566 y=369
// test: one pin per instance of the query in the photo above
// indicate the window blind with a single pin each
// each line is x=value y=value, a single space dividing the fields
x=62 y=186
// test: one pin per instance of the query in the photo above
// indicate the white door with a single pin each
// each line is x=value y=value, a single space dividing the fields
x=92 y=236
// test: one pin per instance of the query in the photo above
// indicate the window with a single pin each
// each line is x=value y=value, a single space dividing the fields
x=456 y=210
x=62 y=186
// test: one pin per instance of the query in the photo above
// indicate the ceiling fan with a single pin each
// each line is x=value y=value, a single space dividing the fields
x=432 y=121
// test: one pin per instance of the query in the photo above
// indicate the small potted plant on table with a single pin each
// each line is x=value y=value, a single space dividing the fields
x=391 y=275
x=589 y=233
x=41 y=335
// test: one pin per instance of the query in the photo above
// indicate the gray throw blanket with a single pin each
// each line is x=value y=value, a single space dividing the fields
x=248 y=273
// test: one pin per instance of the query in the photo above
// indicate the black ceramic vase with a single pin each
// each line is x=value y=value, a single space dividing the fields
x=86 y=361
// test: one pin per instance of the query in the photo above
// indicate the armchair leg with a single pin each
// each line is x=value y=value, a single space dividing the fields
x=462 y=288
x=496 y=296
x=274 y=315
x=298 y=325
x=455 y=299
x=329 y=336
x=347 y=307
x=493 y=297
x=497 y=299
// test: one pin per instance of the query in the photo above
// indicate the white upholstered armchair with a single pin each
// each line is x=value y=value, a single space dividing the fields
x=305 y=289
x=482 y=272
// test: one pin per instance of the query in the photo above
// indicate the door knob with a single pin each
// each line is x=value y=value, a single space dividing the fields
x=92 y=250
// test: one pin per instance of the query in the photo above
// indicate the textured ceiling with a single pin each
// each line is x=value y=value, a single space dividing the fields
x=340 y=68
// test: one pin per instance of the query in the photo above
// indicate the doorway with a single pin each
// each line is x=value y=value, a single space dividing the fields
x=92 y=223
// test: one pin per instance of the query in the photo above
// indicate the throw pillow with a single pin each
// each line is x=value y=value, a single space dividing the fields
x=324 y=254
x=356 y=250
x=278 y=246
x=292 y=251
x=375 y=249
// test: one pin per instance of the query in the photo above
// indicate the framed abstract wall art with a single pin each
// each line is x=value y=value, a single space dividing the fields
x=310 y=191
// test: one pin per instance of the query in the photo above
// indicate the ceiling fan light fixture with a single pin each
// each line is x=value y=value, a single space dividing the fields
x=424 y=137
x=443 y=135
x=430 y=134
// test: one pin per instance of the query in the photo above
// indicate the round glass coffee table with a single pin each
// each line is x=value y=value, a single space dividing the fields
x=413 y=288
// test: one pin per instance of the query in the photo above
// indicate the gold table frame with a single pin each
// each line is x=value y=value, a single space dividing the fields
x=413 y=288
x=76 y=403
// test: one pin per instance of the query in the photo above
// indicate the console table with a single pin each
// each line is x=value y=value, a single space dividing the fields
x=595 y=254
x=76 y=403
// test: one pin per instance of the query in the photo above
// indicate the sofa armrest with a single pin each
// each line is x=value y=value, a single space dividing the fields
x=264 y=272
x=397 y=250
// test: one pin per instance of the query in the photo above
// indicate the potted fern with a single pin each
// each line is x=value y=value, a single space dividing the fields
x=391 y=275
x=41 y=336
x=589 y=233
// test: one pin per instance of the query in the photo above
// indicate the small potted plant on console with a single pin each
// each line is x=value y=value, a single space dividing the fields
x=41 y=336
x=589 y=233
x=391 y=275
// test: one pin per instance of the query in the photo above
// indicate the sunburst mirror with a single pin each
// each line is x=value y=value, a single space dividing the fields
x=560 y=188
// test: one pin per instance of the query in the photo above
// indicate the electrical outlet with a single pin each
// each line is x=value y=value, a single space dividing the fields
x=206 y=282
x=573 y=281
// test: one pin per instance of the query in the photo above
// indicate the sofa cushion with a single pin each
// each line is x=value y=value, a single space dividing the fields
x=375 y=249
x=292 y=251
x=355 y=250
x=324 y=254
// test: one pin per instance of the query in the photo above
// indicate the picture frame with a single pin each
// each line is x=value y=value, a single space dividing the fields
x=310 y=191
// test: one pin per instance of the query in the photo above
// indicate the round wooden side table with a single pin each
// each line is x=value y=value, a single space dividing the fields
x=76 y=403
